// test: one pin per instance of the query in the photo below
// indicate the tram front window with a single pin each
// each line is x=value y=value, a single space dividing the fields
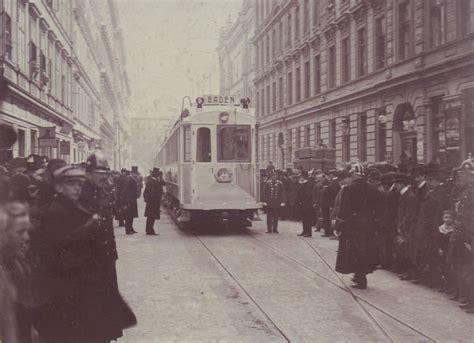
x=203 y=145
x=233 y=143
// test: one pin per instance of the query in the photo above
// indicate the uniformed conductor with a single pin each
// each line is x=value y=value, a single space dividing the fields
x=274 y=198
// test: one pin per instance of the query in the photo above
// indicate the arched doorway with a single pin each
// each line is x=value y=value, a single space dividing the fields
x=404 y=134
x=281 y=151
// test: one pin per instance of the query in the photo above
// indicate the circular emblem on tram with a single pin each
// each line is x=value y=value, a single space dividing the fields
x=224 y=175
x=224 y=117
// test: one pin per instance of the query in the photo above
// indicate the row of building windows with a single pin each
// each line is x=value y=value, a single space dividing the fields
x=341 y=65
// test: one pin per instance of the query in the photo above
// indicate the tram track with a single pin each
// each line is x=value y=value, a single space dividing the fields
x=357 y=298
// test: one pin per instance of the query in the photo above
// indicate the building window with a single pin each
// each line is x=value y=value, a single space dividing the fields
x=280 y=92
x=274 y=50
x=307 y=80
x=332 y=133
x=290 y=144
x=307 y=135
x=298 y=84
x=288 y=32
x=346 y=71
x=316 y=12
x=361 y=52
x=290 y=88
x=263 y=101
x=381 y=140
x=436 y=22
x=297 y=23
x=306 y=17
x=268 y=100
x=464 y=17
x=318 y=132
x=274 y=97
x=380 y=42
x=21 y=36
x=332 y=67
x=298 y=137
x=21 y=143
x=257 y=104
x=203 y=147
x=280 y=38
x=317 y=74
x=8 y=37
x=404 y=29
x=363 y=137
x=346 y=139
x=267 y=49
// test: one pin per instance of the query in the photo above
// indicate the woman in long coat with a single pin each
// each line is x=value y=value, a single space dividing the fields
x=357 y=251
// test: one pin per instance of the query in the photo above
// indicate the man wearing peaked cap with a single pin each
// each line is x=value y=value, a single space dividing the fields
x=273 y=198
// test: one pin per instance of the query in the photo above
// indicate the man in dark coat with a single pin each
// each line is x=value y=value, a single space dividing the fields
x=127 y=206
x=273 y=198
x=304 y=203
x=328 y=196
x=152 y=196
x=321 y=181
x=357 y=251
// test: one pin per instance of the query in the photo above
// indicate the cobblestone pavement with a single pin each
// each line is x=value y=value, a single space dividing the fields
x=248 y=286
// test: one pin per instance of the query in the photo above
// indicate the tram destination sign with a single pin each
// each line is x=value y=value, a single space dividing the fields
x=221 y=100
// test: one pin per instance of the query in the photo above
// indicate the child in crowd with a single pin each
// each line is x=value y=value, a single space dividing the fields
x=443 y=235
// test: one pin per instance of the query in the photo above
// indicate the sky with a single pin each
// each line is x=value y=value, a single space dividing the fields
x=171 y=50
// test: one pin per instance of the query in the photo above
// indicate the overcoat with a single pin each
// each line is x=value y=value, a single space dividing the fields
x=406 y=220
x=304 y=199
x=127 y=190
x=75 y=300
x=357 y=252
x=274 y=193
x=152 y=196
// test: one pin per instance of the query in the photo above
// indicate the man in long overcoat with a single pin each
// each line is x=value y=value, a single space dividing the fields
x=152 y=196
x=357 y=251
x=73 y=302
x=304 y=203
x=273 y=198
x=127 y=207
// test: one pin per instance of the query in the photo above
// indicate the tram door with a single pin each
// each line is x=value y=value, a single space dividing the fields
x=203 y=167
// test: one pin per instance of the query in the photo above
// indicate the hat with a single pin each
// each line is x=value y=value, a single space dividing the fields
x=134 y=169
x=155 y=171
x=69 y=171
x=357 y=168
x=466 y=165
x=35 y=162
x=96 y=162
x=304 y=173
x=435 y=172
x=419 y=169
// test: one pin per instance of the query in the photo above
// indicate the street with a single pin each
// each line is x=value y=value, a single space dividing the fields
x=248 y=286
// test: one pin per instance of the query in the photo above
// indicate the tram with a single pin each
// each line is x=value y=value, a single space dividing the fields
x=208 y=162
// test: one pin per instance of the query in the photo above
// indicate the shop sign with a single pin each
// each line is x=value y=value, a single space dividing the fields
x=221 y=100
x=47 y=137
x=65 y=148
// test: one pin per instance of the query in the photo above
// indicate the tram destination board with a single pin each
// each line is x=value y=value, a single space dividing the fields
x=221 y=100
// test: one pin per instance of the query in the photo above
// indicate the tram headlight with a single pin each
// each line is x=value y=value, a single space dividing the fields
x=224 y=175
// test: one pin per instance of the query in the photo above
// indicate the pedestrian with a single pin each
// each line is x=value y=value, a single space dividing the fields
x=304 y=202
x=357 y=252
x=127 y=190
x=74 y=301
x=138 y=178
x=152 y=196
x=328 y=197
x=320 y=182
x=273 y=199
x=16 y=301
x=442 y=242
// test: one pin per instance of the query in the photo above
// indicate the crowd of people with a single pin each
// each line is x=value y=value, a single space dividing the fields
x=416 y=220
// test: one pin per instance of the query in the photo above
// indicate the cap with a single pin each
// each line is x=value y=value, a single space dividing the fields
x=96 y=162
x=35 y=162
x=69 y=171
x=357 y=168
x=135 y=169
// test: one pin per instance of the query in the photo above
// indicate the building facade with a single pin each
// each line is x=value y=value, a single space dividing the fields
x=376 y=80
x=53 y=72
x=237 y=55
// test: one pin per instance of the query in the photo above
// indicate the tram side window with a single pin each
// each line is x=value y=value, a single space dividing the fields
x=187 y=143
x=233 y=143
x=203 y=145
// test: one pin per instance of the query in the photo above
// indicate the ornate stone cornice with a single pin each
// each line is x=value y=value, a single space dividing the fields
x=343 y=22
x=377 y=5
x=359 y=12
x=330 y=32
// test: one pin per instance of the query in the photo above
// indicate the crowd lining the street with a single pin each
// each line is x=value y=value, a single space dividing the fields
x=416 y=220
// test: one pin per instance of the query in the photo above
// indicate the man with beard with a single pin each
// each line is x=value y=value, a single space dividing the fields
x=357 y=251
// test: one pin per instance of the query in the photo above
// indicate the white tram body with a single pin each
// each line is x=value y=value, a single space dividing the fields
x=208 y=163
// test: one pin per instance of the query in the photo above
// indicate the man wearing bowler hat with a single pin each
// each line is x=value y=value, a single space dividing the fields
x=152 y=196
